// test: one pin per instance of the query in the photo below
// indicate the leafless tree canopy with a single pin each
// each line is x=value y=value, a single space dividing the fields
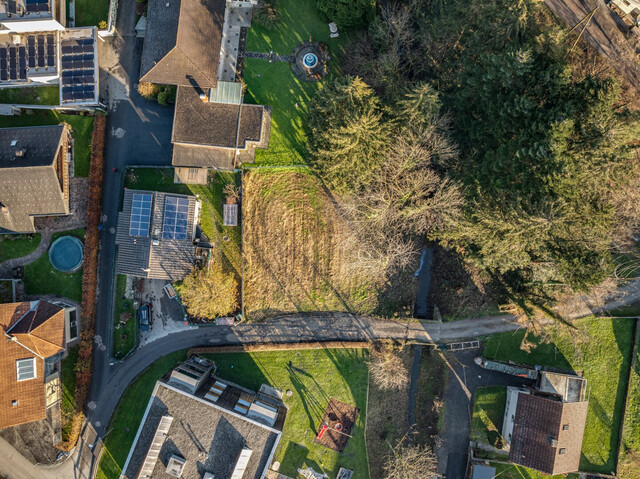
x=411 y=462
x=387 y=369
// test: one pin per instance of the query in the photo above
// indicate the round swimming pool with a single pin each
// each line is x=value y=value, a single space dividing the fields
x=65 y=254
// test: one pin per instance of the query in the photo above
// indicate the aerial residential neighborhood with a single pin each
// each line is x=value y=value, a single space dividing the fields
x=319 y=239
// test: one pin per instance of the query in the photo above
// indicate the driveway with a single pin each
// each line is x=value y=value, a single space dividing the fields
x=465 y=377
x=167 y=314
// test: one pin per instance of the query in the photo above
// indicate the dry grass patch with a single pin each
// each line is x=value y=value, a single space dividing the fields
x=299 y=255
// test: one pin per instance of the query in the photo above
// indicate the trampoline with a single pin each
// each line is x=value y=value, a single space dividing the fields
x=65 y=254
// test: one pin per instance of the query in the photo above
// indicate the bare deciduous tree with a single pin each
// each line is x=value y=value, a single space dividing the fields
x=387 y=369
x=411 y=461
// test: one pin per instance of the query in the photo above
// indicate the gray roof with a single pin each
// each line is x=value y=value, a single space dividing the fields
x=203 y=156
x=29 y=184
x=170 y=259
x=209 y=437
x=192 y=54
x=215 y=124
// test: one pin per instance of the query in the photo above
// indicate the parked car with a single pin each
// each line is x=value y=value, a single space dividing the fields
x=144 y=317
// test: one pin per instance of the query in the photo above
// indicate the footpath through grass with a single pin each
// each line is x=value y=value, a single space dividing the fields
x=275 y=85
x=17 y=246
x=82 y=127
x=600 y=347
x=40 y=277
x=90 y=13
x=319 y=376
x=124 y=338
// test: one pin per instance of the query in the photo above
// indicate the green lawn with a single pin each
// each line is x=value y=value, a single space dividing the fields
x=212 y=197
x=68 y=378
x=631 y=430
x=507 y=471
x=275 y=85
x=40 y=277
x=488 y=411
x=90 y=13
x=16 y=246
x=40 y=95
x=600 y=347
x=82 y=127
x=320 y=374
x=124 y=339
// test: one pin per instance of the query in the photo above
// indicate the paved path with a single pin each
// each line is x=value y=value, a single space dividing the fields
x=413 y=389
x=276 y=57
x=6 y=267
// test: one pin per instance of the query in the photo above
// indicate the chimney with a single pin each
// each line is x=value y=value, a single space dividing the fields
x=21 y=152
x=3 y=208
x=203 y=97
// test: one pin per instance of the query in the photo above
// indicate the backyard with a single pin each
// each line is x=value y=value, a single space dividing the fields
x=124 y=338
x=41 y=278
x=90 y=13
x=316 y=376
x=82 y=127
x=275 y=85
x=600 y=347
x=41 y=95
x=68 y=379
x=16 y=246
x=310 y=262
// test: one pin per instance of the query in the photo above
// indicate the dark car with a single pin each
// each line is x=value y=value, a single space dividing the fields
x=144 y=316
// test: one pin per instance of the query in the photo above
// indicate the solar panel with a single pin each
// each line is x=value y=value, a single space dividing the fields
x=3 y=52
x=51 y=60
x=13 y=74
x=40 y=39
x=41 y=60
x=12 y=7
x=3 y=74
x=23 y=73
x=176 y=216
x=140 y=214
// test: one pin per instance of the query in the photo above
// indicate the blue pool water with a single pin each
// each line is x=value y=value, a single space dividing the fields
x=65 y=254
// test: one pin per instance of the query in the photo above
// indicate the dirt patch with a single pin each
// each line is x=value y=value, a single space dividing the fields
x=339 y=417
x=297 y=249
x=458 y=290
x=432 y=382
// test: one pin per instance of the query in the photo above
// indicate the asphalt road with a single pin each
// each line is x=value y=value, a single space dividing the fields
x=465 y=377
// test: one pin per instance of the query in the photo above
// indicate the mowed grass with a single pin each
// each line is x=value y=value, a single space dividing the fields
x=41 y=95
x=124 y=339
x=40 y=277
x=510 y=471
x=488 y=411
x=298 y=251
x=630 y=447
x=319 y=375
x=90 y=13
x=82 y=127
x=128 y=414
x=600 y=347
x=17 y=246
x=68 y=379
x=275 y=85
x=212 y=197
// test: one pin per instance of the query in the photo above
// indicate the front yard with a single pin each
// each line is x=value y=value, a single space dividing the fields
x=17 y=246
x=82 y=127
x=124 y=338
x=600 y=347
x=317 y=376
x=41 y=278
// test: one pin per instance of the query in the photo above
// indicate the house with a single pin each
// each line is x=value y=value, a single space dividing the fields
x=212 y=126
x=36 y=49
x=204 y=433
x=545 y=426
x=34 y=175
x=155 y=236
x=30 y=352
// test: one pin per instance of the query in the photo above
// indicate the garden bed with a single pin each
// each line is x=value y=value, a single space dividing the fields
x=124 y=338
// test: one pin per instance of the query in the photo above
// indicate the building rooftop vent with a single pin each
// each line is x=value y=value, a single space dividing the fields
x=176 y=465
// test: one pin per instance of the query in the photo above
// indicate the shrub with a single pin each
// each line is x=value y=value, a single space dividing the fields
x=163 y=97
x=347 y=14
x=102 y=25
x=268 y=15
x=210 y=294
x=148 y=90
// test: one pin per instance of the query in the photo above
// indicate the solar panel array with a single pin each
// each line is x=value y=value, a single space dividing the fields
x=37 y=6
x=78 y=73
x=140 y=214
x=176 y=215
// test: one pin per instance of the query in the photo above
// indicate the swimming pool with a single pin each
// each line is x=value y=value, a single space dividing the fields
x=66 y=253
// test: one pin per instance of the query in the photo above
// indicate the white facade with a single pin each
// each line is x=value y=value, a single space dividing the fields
x=510 y=411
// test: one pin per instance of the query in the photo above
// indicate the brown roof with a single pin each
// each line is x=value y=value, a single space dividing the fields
x=214 y=124
x=196 y=54
x=29 y=184
x=31 y=330
x=547 y=434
